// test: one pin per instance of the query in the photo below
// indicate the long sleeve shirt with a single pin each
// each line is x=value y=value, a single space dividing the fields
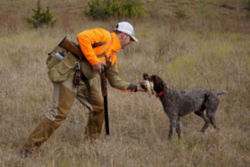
x=101 y=45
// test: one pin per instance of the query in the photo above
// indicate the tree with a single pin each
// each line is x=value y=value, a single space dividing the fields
x=41 y=17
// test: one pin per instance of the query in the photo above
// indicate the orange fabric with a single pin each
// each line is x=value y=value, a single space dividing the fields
x=160 y=94
x=126 y=90
x=89 y=37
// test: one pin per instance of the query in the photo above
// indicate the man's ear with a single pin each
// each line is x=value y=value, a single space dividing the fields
x=145 y=76
x=123 y=35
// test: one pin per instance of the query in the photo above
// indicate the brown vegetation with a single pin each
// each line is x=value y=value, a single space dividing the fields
x=209 y=51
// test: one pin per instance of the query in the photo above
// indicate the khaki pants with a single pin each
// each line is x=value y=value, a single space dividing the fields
x=63 y=97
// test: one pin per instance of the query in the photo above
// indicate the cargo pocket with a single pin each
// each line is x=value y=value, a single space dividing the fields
x=62 y=70
x=52 y=60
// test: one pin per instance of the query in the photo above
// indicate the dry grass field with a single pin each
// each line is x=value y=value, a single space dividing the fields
x=206 y=50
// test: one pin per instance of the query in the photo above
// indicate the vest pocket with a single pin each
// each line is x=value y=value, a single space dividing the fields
x=52 y=60
x=62 y=70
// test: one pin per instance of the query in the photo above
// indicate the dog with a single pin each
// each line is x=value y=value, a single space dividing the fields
x=180 y=103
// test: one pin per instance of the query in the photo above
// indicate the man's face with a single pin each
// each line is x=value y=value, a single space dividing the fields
x=125 y=40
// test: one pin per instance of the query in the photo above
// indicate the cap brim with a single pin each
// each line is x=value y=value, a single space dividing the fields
x=134 y=38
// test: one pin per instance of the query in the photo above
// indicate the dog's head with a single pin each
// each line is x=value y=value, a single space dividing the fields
x=153 y=83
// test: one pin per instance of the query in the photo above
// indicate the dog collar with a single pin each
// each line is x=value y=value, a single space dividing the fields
x=162 y=92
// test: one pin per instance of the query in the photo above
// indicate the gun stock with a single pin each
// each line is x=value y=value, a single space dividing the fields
x=103 y=84
x=71 y=47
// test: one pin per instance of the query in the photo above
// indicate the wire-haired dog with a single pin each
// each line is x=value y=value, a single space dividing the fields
x=179 y=103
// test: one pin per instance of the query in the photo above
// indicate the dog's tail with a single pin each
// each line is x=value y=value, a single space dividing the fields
x=221 y=92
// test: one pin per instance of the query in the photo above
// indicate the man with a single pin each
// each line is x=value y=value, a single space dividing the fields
x=99 y=47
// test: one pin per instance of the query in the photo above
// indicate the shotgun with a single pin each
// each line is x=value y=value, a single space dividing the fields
x=105 y=100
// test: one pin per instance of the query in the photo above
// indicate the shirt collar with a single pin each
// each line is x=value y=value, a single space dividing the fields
x=116 y=42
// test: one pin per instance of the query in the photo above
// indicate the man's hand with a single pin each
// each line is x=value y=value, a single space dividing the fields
x=98 y=67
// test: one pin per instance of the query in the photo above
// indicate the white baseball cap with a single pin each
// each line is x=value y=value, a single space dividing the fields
x=127 y=28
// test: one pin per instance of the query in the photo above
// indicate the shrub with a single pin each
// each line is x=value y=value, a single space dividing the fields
x=40 y=17
x=96 y=9
x=180 y=14
x=103 y=9
x=248 y=5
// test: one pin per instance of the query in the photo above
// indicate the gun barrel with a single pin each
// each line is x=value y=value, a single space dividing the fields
x=105 y=100
x=106 y=114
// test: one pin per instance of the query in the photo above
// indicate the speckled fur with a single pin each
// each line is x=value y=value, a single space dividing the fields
x=179 y=103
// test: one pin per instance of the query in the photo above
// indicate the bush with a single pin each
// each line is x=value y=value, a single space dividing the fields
x=103 y=9
x=96 y=9
x=180 y=14
x=248 y=5
x=41 y=18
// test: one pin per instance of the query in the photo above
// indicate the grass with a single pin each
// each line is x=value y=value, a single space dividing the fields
x=185 y=54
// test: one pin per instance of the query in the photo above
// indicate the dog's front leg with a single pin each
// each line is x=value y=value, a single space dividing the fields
x=172 y=127
x=178 y=128
x=170 y=133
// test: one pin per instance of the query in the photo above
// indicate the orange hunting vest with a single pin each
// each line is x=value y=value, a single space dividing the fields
x=108 y=44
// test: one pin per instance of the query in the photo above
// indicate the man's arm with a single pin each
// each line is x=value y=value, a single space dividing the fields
x=116 y=82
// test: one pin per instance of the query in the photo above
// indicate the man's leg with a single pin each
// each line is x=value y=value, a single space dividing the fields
x=63 y=98
x=96 y=111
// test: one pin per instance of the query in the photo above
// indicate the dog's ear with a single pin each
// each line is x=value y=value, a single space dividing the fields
x=145 y=76
x=159 y=85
